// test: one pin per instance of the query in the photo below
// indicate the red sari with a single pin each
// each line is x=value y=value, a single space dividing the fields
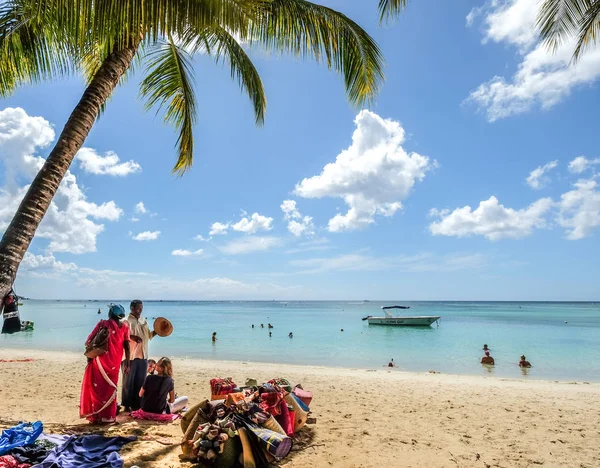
x=98 y=402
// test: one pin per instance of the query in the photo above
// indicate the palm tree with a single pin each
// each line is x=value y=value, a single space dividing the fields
x=561 y=20
x=48 y=39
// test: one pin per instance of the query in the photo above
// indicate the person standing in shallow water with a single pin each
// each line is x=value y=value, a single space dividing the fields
x=140 y=336
x=214 y=337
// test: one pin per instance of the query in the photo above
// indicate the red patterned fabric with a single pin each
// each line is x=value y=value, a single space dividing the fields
x=222 y=386
x=96 y=392
x=270 y=402
x=8 y=461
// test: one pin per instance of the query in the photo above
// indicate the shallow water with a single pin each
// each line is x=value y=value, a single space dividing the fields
x=557 y=350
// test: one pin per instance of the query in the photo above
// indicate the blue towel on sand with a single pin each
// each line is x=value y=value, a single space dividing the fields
x=90 y=451
x=20 y=436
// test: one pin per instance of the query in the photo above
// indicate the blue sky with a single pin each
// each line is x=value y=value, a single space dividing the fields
x=472 y=104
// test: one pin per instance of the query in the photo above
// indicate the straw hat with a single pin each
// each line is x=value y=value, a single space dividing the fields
x=163 y=327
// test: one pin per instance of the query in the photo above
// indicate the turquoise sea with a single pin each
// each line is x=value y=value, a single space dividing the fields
x=557 y=350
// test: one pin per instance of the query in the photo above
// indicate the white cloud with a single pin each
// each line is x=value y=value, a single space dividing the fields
x=218 y=229
x=250 y=244
x=140 y=208
x=298 y=225
x=491 y=220
x=44 y=262
x=133 y=219
x=146 y=236
x=537 y=178
x=88 y=282
x=580 y=209
x=253 y=224
x=310 y=246
x=543 y=78
x=581 y=164
x=186 y=253
x=68 y=223
x=92 y=162
x=372 y=176
x=422 y=262
x=201 y=238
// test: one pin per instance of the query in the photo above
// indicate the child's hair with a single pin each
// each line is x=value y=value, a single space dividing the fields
x=164 y=366
x=151 y=361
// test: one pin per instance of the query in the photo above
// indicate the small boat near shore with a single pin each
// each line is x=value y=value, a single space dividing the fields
x=401 y=321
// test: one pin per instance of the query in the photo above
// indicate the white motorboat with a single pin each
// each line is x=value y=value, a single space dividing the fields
x=401 y=321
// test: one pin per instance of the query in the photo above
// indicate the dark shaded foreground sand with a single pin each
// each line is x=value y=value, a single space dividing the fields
x=377 y=418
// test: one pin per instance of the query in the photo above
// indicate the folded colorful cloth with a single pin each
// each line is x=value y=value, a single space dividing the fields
x=19 y=436
x=141 y=414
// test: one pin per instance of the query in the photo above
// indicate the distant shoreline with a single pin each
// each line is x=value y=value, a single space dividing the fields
x=352 y=301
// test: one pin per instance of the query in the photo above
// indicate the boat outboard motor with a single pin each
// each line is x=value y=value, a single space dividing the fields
x=12 y=321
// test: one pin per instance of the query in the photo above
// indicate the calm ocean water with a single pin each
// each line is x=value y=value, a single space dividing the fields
x=557 y=350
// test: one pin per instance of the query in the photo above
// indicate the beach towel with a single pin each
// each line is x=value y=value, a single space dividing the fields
x=141 y=414
x=90 y=451
x=19 y=436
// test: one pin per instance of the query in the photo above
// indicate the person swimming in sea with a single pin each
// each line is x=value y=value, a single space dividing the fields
x=485 y=348
x=270 y=334
x=291 y=335
x=487 y=359
x=214 y=337
x=391 y=363
x=524 y=362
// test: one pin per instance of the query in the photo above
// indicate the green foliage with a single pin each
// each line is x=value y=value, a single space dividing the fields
x=560 y=20
x=48 y=39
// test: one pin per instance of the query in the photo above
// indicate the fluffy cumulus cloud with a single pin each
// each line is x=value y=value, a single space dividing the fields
x=298 y=225
x=581 y=164
x=201 y=238
x=491 y=220
x=140 y=208
x=253 y=224
x=543 y=78
x=250 y=244
x=187 y=253
x=580 y=209
x=537 y=178
x=218 y=229
x=70 y=223
x=109 y=164
x=146 y=236
x=372 y=176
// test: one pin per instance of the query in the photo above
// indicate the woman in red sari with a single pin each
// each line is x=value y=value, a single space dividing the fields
x=98 y=402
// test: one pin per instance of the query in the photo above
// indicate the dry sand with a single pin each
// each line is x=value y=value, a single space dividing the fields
x=365 y=418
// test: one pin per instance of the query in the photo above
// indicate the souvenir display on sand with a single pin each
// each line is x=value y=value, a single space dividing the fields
x=250 y=426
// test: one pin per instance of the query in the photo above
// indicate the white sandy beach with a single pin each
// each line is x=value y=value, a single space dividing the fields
x=365 y=418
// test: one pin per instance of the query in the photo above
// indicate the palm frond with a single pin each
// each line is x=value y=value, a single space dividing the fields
x=121 y=22
x=389 y=9
x=558 y=20
x=307 y=29
x=168 y=85
x=221 y=45
x=30 y=51
x=589 y=31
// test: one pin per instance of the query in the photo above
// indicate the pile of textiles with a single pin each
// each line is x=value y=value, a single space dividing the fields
x=25 y=446
x=249 y=426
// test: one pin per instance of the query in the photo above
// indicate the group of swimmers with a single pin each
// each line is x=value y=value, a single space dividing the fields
x=487 y=359
x=269 y=326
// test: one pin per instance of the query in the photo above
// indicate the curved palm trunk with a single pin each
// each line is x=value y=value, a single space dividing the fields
x=32 y=209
